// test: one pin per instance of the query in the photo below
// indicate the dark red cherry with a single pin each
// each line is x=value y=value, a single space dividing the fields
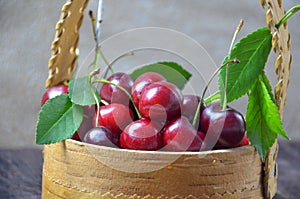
x=161 y=101
x=189 y=106
x=53 y=92
x=112 y=94
x=115 y=117
x=226 y=127
x=141 y=82
x=201 y=134
x=180 y=135
x=245 y=141
x=86 y=124
x=141 y=135
x=101 y=136
x=75 y=136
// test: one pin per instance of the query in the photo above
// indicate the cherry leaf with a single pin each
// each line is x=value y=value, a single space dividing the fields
x=80 y=91
x=263 y=119
x=58 y=120
x=252 y=51
x=213 y=97
x=266 y=81
x=172 y=71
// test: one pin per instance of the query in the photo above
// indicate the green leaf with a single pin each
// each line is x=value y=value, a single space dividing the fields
x=80 y=92
x=266 y=81
x=58 y=119
x=252 y=51
x=172 y=71
x=213 y=97
x=263 y=119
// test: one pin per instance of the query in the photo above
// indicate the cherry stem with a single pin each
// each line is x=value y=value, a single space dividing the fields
x=105 y=60
x=97 y=70
x=96 y=33
x=116 y=59
x=96 y=99
x=239 y=27
x=93 y=21
x=287 y=15
x=104 y=81
x=207 y=85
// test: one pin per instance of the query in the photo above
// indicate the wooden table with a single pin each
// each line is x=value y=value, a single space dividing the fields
x=21 y=171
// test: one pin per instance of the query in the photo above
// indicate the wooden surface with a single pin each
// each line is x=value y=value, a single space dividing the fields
x=20 y=172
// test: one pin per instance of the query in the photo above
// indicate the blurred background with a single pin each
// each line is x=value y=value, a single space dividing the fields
x=27 y=29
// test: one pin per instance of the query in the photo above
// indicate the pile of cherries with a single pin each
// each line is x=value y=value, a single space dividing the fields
x=154 y=115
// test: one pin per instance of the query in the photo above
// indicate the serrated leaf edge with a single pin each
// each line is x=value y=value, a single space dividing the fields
x=279 y=130
x=38 y=122
x=221 y=80
x=259 y=147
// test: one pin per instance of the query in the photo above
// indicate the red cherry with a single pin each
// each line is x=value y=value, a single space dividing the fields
x=189 y=106
x=160 y=101
x=76 y=136
x=180 y=135
x=101 y=136
x=112 y=94
x=245 y=141
x=141 y=82
x=141 y=135
x=201 y=134
x=227 y=127
x=53 y=92
x=115 y=117
x=86 y=124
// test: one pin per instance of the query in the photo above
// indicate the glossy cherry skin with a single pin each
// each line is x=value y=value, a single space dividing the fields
x=161 y=101
x=180 y=135
x=226 y=127
x=201 y=134
x=112 y=94
x=115 y=117
x=101 y=136
x=142 y=82
x=53 y=92
x=189 y=106
x=141 y=134
x=245 y=141
x=86 y=124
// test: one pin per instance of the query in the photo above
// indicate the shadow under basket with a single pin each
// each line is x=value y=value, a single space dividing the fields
x=74 y=169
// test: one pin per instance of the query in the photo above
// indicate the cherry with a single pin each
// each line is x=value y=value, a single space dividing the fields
x=201 y=134
x=245 y=141
x=141 y=82
x=141 y=135
x=226 y=127
x=101 y=136
x=53 y=92
x=180 y=135
x=189 y=106
x=86 y=124
x=112 y=94
x=114 y=116
x=160 y=101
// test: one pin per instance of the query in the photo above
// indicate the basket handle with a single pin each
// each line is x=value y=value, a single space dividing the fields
x=64 y=47
x=281 y=46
